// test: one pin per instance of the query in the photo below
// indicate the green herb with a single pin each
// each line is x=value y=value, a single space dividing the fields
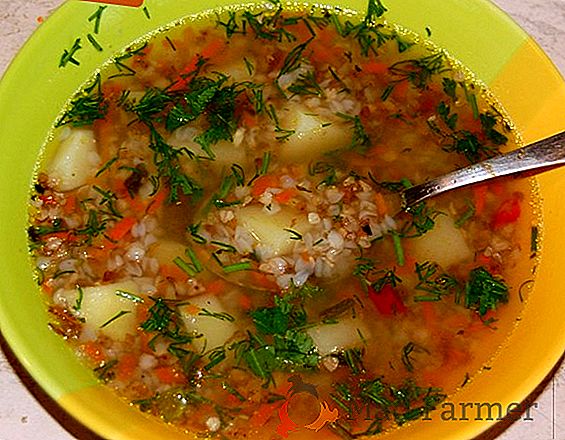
x=94 y=43
x=484 y=291
x=360 y=140
x=534 y=234
x=96 y=17
x=222 y=316
x=450 y=119
x=115 y=317
x=294 y=235
x=108 y=199
x=398 y=249
x=146 y=13
x=467 y=215
x=407 y=352
x=166 y=322
x=435 y=283
x=471 y=100
x=450 y=87
x=237 y=267
x=306 y=84
x=68 y=56
x=293 y=59
x=129 y=296
x=422 y=220
x=80 y=297
x=106 y=166
x=375 y=10
x=231 y=25
x=282 y=133
x=94 y=226
x=418 y=72
x=353 y=359
x=187 y=268
x=488 y=123
x=105 y=372
x=124 y=69
x=324 y=168
x=338 y=310
x=167 y=160
x=193 y=231
x=226 y=386
x=215 y=357
x=87 y=107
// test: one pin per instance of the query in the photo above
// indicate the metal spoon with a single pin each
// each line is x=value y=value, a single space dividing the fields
x=540 y=155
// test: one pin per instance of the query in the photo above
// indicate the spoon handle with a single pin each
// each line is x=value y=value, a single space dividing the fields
x=545 y=153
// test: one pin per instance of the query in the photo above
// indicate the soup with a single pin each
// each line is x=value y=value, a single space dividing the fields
x=215 y=225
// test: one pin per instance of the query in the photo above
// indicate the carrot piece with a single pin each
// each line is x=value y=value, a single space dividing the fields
x=382 y=207
x=213 y=48
x=170 y=375
x=480 y=197
x=245 y=302
x=70 y=205
x=216 y=287
x=285 y=195
x=262 y=280
x=94 y=351
x=192 y=309
x=249 y=120
x=375 y=68
x=262 y=415
x=157 y=202
x=121 y=228
x=261 y=184
x=126 y=366
x=173 y=272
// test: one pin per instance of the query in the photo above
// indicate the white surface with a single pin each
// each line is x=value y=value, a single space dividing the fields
x=27 y=416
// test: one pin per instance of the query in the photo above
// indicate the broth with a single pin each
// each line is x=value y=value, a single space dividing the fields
x=214 y=223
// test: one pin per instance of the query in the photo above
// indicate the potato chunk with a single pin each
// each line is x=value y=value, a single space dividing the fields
x=272 y=231
x=444 y=244
x=100 y=304
x=215 y=331
x=333 y=338
x=76 y=160
x=313 y=136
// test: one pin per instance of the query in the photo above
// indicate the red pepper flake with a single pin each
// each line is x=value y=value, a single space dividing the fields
x=508 y=212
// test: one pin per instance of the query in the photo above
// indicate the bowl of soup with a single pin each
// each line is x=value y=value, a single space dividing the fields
x=199 y=227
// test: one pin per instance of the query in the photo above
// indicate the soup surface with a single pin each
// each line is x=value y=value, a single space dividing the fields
x=216 y=226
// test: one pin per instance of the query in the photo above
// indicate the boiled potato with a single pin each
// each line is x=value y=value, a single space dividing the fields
x=76 y=160
x=99 y=304
x=214 y=330
x=444 y=244
x=313 y=136
x=333 y=338
x=271 y=231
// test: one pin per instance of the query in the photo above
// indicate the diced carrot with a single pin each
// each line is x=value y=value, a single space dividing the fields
x=126 y=366
x=173 y=272
x=382 y=207
x=401 y=90
x=216 y=286
x=248 y=119
x=192 y=309
x=262 y=415
x=213 y=48
x=70 y=205
x=285 y=195
x=48 y=288
x=430 y=315
x=479 y=198
x=375 y=68
x=94 y=351
x=121 y=228
x=262 y=280
x=170 y=375
x=261 y=184
x=157 y=201
x=245 y=302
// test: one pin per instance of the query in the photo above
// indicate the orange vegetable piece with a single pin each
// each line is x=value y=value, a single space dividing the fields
x=170 y=375
x=126 y=366
x=261 y=184
x=121 y=228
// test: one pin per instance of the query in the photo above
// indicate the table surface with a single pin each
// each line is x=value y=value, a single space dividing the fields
x=26 y=413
